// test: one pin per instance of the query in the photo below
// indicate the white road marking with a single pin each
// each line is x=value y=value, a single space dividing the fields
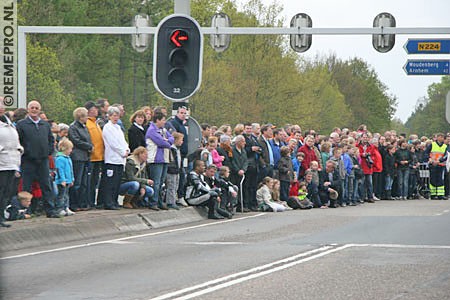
x=442 y=213
x=401 y=246
x=233 y=279
x=236 y=278
x=129 y=237
x=214 y=243
x=121 y=242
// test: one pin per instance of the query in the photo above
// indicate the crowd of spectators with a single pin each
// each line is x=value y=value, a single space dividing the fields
x=61 y=170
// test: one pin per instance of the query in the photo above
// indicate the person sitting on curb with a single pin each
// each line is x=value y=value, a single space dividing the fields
x=218 y=185
x=199 y=193
x=264 y=197
x=135 y=183
x=19 y=208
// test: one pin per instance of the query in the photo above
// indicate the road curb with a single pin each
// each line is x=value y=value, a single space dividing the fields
x=43 y=231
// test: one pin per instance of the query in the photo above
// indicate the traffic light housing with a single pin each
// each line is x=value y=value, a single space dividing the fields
x=178 y=57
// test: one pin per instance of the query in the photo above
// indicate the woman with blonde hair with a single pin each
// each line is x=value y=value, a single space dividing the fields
x=135 y=184
x=264 y=197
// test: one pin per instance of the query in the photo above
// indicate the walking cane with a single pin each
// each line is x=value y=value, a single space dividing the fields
x=242 y=193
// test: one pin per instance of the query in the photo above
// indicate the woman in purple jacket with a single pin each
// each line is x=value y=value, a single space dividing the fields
x=158 y=141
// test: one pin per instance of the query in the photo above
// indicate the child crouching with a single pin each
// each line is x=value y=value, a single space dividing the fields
x=19 y=208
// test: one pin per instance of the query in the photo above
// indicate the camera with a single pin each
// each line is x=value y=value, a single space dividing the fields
x=369 y=160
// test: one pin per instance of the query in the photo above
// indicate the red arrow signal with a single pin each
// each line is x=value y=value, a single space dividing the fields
x=177 y=37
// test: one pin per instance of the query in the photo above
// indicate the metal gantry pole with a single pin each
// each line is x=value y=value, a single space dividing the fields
x=183 y=6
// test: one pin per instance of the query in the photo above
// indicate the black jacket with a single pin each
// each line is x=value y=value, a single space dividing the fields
x=82 y=144
x=335 y=183
x=285 y=169
x=389 y=165
x=239 y=161
x=252 y=156
x=36 y=140
x=224 y=153
x=264 y=157
x=172 y=167
x=401 y=155
x=136 y=137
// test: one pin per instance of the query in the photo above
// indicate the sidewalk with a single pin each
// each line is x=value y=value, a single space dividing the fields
x=43 y=231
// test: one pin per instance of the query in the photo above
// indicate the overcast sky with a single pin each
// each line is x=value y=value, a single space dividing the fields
x=360 y=13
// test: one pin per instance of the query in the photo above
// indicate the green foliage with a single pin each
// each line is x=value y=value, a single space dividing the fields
x=364 y=93
x=399 y=127
x=43 y=83
x=429 y=115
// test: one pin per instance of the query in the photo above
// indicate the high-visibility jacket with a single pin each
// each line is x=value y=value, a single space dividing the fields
x=438 y=152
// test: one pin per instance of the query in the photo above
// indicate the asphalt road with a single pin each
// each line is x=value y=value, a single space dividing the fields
x=387 y=250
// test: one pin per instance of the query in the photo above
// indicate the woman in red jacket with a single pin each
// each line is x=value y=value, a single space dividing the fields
x=367 y=152
x=377 y=169
x=310 y=155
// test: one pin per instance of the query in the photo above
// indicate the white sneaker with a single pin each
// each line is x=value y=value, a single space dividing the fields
x=62 y=213
x=182 y=202
x=69 y=212
x=375 y=198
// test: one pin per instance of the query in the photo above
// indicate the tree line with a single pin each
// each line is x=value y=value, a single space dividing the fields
x=258 y=79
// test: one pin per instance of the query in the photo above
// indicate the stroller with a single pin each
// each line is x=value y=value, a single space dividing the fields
x=423 y=184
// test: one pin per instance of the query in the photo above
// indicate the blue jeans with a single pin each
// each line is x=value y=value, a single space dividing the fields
x=130 y=188
x=133 y=187
x=158 y=175
x=62 y=200
x=368 y=186
x=344 y=188
x=358 y=189
x=403 y=181
x=389 y=180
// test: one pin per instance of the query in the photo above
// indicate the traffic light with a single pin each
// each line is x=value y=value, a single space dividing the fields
x=178 y=57
x=301 y=42
x=383 y=42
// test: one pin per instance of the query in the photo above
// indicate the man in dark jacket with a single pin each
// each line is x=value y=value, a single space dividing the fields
x=329 y=184
x=403 y=159
x=37 y=140
x=239 y=165
x=266 y=159
x=253 y=150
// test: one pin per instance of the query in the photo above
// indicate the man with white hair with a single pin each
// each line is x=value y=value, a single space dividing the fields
x=37 y=140
x=239 y=163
